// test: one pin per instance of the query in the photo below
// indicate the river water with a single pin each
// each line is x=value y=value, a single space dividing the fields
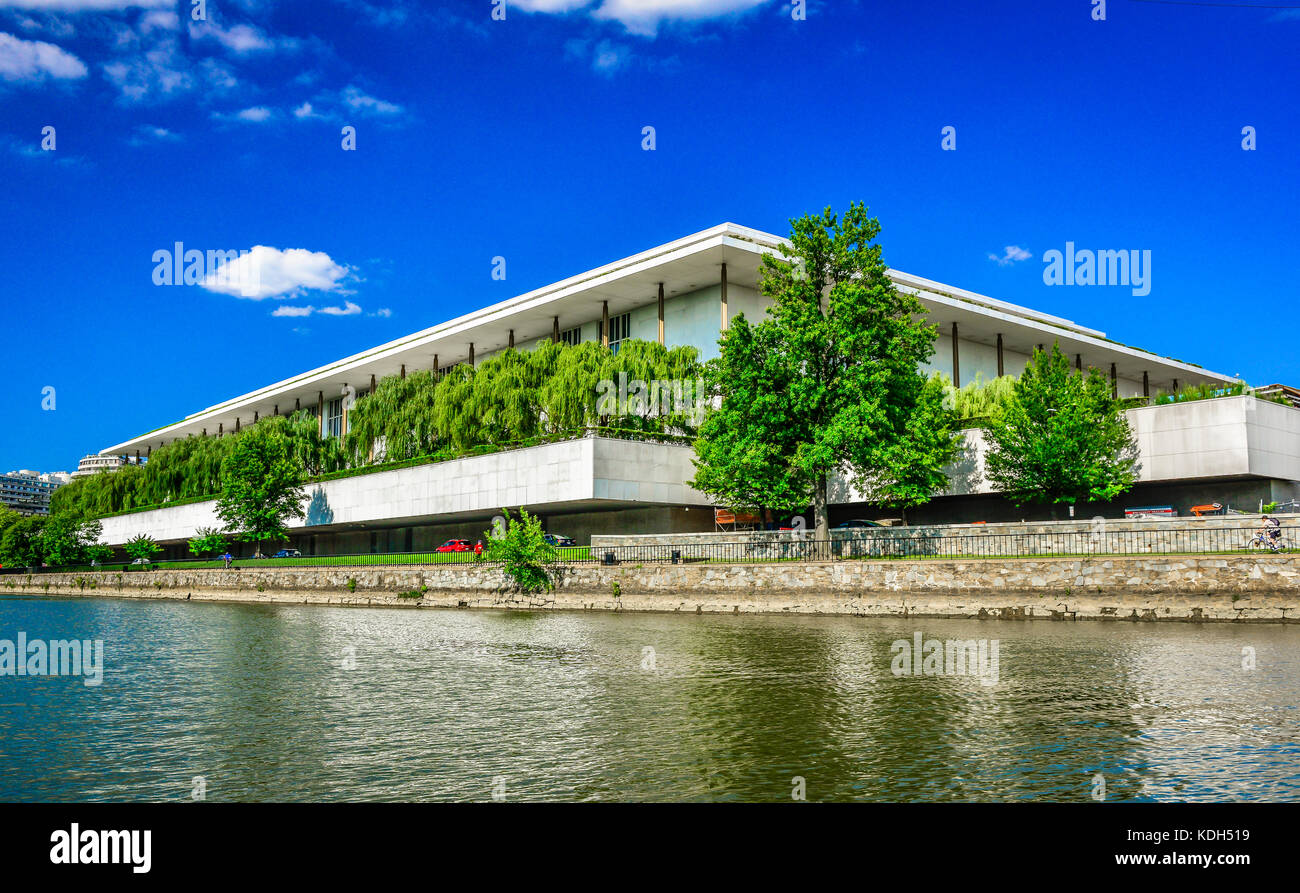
x=304 y=703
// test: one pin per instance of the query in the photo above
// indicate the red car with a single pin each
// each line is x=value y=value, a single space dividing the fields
x=455 y=546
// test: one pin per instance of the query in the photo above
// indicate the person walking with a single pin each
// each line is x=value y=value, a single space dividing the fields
x=478 y=550
x=227 y=558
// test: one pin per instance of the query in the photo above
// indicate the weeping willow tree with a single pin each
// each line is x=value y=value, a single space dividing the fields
x=982 y=398
x=569 y=395
x=505 y=400
x=102 y=493
x=658 y=389
x=184 y=469
x=516 y=395
x=394 y=421
x=312 y=452
x=512 y=396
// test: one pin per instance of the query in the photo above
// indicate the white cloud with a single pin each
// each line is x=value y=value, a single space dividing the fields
x=82 y=5
x=643 y=17
x=161 y=71
x=160 y=20
x=48 y=24
x=257 y=114
x=306 y=111
x=1013 y=253
x=358 y=101
x=266 y=272
x=32 y=61
x=148 y=133
x=609 y=57
x=240 y=39
x=550 y=5
x=349 y=309
x=293 y=310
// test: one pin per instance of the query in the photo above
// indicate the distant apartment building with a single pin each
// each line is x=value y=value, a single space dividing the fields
x=29 y=492
x=95 y=464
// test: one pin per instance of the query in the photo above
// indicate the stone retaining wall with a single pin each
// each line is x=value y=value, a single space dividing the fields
x=1136 y=588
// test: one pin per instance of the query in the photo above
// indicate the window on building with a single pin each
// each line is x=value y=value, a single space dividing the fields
x=620 y=327
x=334 y=418
x=572 y=337
x=443 y=370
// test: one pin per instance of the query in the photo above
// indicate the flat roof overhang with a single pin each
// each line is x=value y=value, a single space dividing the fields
x=683 y=266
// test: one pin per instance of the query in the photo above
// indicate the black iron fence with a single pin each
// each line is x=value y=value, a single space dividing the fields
x=881 y=544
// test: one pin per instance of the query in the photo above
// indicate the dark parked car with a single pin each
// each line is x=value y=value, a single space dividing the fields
x=857 y=524
x=287 y=553
x=455 y=546
x=559 y=539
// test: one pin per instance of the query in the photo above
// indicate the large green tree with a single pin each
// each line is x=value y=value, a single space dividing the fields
x=67 y=539
x=20 y=544
x=261 y=485
x=829 y=383
x=1062 y=438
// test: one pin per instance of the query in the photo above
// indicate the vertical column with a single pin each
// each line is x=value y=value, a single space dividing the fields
x=221 y=428
x=724 y=297
x=555 y=330
x=512 y=337
x=1078 y=362
x=277 y=409
x=471 y=355
x=956 y=359
x=297 y=404
x=661 y=314
x=1114 y=382
x=1001 y=371
x=343 y=424
x=320 y=408
x=403 y=372
x=1175 y=390
x=604 y=323
x=255 y=417
x=436 y=367
x=1146 y=384
x=372 y=377
x=236 y=424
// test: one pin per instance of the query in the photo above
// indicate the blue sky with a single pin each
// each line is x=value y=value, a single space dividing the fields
x=522 y=138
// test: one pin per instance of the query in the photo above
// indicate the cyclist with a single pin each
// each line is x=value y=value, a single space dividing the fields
x=1272 y=532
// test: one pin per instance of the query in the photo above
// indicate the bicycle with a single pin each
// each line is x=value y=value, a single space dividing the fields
x=1260 y=541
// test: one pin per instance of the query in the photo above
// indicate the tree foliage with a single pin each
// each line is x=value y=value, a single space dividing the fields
x=1062 y=438
x=20 y=544
x=208 y=539
x=142 y=545
x=57 y=540
x=528 y=560
x=828 y=383
x=512 y=396
x=261 y=485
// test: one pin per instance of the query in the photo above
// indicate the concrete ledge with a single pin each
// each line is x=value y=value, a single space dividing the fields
x=1192 y=588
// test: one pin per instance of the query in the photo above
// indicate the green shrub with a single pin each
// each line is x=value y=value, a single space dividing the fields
x=528 y=560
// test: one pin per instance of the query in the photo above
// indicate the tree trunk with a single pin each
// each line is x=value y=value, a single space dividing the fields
x=820 y=517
